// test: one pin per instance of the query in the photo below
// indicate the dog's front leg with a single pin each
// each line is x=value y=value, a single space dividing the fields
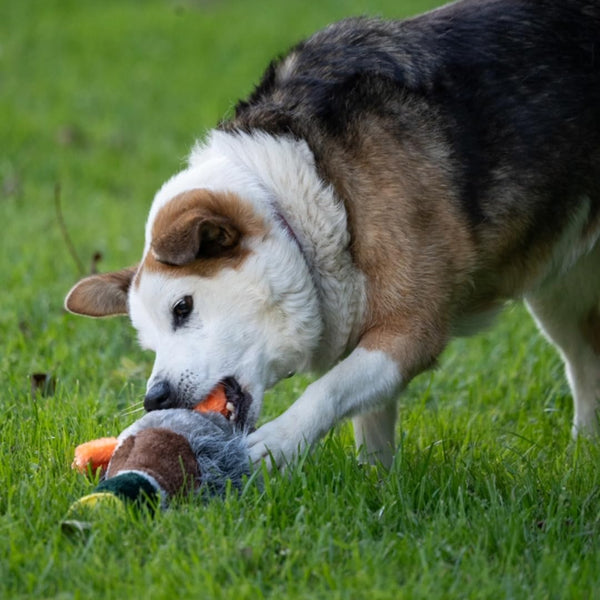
x=363 y=382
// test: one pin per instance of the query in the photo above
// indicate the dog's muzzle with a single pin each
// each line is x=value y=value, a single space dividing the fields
x=162 y=396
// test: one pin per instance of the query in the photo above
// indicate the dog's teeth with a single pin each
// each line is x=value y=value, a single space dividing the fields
x=231 y=408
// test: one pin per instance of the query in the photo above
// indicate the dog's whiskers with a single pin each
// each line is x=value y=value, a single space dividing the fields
x=132 y=410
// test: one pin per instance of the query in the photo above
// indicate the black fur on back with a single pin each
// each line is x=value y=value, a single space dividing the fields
x=512 y=86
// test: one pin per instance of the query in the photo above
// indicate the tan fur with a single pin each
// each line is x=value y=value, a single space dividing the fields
x=101 y=295
x=414 y=250
x=218 y=222
x=424 y=263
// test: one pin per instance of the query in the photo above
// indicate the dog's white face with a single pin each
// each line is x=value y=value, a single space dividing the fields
x=222 y=292
x=253 y=318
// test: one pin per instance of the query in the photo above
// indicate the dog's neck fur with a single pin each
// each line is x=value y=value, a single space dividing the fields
x=278 y=175
x=285 y=167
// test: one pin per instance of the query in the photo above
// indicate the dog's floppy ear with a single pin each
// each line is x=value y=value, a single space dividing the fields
x=195 y=234
x=101 y=295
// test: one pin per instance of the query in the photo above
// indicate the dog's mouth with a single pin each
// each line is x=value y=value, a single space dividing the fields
x=238 y=401
x=229 y=399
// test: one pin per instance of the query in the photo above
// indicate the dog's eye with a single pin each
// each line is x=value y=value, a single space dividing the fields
x=182 y=310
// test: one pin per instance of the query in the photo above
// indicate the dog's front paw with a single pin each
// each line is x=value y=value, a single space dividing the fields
x=276 y=443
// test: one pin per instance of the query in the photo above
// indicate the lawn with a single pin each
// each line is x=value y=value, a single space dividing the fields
x=488 y=497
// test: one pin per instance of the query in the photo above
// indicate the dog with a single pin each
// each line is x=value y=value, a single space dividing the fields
x=388 y=185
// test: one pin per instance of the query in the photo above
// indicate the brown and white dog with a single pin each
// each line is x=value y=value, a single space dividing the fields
x=386 y=186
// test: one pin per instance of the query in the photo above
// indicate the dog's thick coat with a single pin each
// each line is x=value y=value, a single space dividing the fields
x=386 y=186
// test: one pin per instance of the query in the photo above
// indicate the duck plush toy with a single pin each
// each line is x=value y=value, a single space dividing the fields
x=172 y=451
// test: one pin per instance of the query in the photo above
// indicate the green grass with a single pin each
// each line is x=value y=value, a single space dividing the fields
x=488 y=497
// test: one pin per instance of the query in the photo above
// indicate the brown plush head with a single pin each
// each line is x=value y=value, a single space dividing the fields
x=160 y=454
x=173 y=451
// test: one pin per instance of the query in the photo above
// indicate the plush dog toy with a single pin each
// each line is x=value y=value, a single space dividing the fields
x=172 y=451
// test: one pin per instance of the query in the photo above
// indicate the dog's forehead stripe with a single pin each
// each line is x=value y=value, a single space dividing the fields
x=228 y=205
x=223 y=203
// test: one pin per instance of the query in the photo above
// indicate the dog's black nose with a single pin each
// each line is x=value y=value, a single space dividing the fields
x=158 y=396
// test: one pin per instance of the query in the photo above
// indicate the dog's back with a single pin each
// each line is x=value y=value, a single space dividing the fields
x=515 y=85
x=500 y=97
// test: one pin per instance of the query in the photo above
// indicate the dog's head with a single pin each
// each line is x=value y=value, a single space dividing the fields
x=221 y=293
